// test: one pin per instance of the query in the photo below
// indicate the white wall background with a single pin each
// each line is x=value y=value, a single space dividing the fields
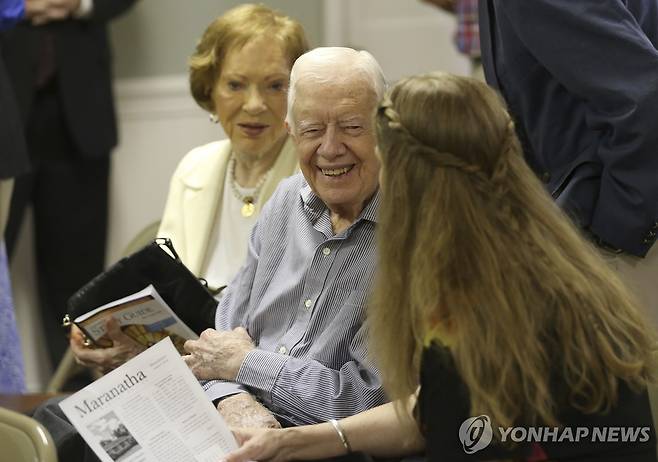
x=159 y=121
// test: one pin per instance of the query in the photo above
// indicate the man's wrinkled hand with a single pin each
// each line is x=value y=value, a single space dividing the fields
x=244 y=411
x=218 y=354
x=105 y=359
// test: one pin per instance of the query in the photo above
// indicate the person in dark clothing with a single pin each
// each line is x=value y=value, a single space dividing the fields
x=580 y=82
x=13 y=161
x=58 y=62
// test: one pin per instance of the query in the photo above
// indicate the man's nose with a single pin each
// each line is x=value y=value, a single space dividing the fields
x=254 y=103
x=331 y=144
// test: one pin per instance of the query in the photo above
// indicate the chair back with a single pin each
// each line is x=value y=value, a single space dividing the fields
x=145 y=236
x=23 y=439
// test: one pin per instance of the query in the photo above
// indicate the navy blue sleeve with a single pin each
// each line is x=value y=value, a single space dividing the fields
x=604 y=53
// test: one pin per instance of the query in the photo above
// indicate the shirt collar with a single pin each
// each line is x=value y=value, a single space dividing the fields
x=315 y=207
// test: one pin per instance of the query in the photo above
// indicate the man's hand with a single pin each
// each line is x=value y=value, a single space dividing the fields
x=45 y=11
x=243 y=410
x=218 y=354
x=123 y=348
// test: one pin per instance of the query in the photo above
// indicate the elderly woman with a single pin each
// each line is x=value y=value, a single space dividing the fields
x=488 y=300
x=239 y=73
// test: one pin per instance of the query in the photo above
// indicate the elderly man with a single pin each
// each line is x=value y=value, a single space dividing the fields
x=301 y=295
x=289 y=329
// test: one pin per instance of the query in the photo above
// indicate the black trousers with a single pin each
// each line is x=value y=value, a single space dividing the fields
x=69 y=196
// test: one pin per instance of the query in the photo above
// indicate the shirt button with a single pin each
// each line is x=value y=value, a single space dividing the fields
x=282 y=350
x=326 y=251
x=308 y=303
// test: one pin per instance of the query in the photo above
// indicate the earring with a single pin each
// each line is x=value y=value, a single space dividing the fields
x=213 y=118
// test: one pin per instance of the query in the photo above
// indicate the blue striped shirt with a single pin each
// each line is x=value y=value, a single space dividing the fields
x=302 y=295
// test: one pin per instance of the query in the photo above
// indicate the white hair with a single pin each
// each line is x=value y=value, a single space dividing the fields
x=326 y=65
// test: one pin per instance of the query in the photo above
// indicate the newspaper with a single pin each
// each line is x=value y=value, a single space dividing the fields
x=150 y=409
x=143 y=316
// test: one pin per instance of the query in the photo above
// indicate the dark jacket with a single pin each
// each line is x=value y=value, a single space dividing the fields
x=13 y=153
x=83 y=72
x=581 y=81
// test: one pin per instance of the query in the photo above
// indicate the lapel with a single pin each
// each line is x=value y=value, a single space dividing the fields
x=203 y=192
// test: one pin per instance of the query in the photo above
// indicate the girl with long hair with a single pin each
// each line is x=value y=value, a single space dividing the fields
x=489 y=302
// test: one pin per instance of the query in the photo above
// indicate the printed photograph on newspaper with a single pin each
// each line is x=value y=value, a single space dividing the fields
x=150 y=409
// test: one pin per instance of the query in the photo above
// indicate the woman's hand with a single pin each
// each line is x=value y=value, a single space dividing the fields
x=259 y=444
x=123 y=348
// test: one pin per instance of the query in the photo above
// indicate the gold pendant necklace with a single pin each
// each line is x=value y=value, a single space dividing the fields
x=248 y=208
x=248 y=202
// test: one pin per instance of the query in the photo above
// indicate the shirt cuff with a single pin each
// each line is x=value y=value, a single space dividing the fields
x=260 y=369
x=218 y=389
x=84 y=10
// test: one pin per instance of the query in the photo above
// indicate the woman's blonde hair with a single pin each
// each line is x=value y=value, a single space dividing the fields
x=234 y=29
x=475 y=254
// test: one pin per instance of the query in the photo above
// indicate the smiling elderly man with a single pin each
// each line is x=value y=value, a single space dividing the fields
x=290 y=327
x=289 y=339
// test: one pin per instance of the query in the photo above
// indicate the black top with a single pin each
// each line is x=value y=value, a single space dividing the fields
x=443 y=406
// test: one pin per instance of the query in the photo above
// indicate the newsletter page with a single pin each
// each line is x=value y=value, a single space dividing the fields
x=150 y=409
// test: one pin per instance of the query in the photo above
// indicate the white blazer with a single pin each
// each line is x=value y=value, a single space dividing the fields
x=195 y=194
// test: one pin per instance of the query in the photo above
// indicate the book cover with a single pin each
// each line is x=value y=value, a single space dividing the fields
x=144 y=316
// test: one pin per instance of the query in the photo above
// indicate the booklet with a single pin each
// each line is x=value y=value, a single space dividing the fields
x=151 y=409
x=143 y=316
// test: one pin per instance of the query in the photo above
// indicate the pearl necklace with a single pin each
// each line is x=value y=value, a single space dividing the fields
x=248 y=201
